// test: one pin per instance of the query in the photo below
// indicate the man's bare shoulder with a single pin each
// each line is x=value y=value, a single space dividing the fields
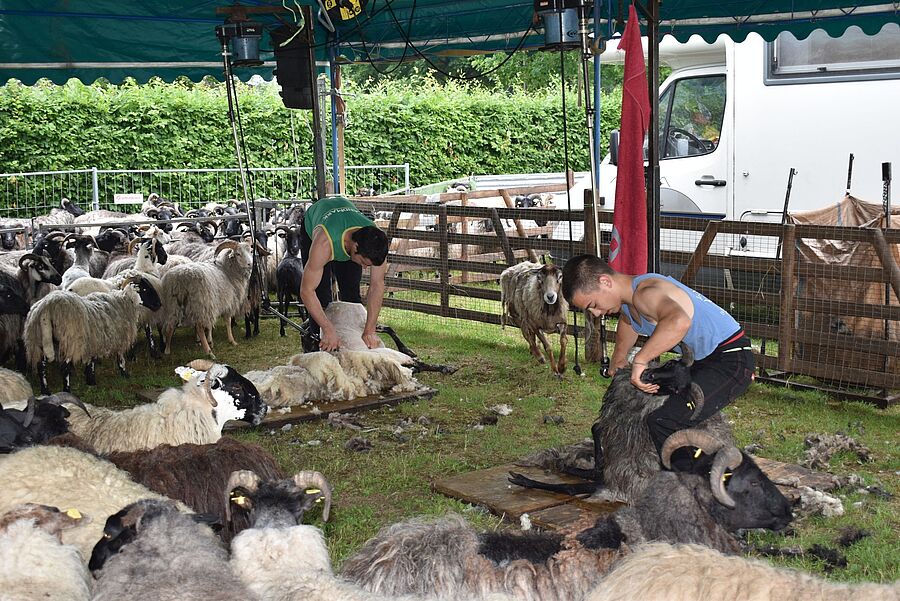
x=652 y=293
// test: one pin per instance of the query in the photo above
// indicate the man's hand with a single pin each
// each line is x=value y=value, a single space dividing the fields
x=329 y=341
x=371 y=339
x=616 y=367
x=637 y=369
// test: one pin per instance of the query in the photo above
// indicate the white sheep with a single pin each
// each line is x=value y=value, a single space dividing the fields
x=197 y=294
x=322 y=376
x=692 y=572
x=13 y=386
x=78 y=330
x=530 y=293
x=194 y=413
x=36 y=565
x=68 y=478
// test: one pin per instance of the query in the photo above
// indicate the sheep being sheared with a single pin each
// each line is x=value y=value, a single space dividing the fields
x=530 y=293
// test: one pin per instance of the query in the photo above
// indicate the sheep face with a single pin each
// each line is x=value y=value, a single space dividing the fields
x=158 y=252
x=40 y=269
x=8 y=240
x=49 y=519
x=71 y=207
x=758 y=502
x=149 y=295
x=236 y=396
x=124 y=526
x=551 y=281
x=12 y=301
x=110 y=240
x=274 y=503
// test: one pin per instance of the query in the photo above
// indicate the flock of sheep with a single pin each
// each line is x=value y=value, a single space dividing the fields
x=155 y=503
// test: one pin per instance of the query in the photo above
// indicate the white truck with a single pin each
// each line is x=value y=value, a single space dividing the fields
x=734 y=118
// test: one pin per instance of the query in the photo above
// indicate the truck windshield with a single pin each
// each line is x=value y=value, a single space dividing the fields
x=690 y=123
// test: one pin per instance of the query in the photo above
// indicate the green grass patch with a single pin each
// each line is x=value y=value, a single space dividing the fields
x=393 y=480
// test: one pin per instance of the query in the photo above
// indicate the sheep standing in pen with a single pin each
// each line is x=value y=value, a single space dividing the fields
x=289 y=273
x=22 y=286
x=84 y=246
x=194 y=413
x=69 y=478
x=150 y=551
x=693 y=572
x=197 y=294
x=256 y=288
x=530 y=294
x=79 y=330
x=36 y=565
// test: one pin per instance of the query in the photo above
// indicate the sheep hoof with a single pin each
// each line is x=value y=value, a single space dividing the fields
x=558 y=375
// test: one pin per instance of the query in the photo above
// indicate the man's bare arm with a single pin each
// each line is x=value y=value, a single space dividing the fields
x=625 y=339
x=672 y=323
x=319 y=256
x=373 y=303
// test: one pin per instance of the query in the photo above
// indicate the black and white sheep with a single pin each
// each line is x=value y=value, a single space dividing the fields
x=198 y=294
x=150 y=551
x=77 y=330
x=64 y=477
x=81 y=268
x=40 y=420
x=36 y=565
x=21 y=287
x=194 y=413
x=289 y=273
x=530 y=293
x=691 y=572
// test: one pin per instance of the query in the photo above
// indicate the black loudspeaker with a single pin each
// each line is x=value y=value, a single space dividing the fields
x=294 y=65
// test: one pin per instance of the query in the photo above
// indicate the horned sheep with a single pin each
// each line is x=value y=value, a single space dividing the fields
x=22 y=286
x=36 y=565
x=690 y=572
x=198 y=294
x=530 y=294
x=78 y=330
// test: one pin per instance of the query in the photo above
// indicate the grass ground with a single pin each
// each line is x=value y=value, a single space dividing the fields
x=392 y=481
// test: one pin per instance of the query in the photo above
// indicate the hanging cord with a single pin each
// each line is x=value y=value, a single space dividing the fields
x=562 y=78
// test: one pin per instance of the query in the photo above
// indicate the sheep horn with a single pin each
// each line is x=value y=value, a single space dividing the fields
x=152 y=197
x=132 y=243
x=282 y=227
x=66 y=398
x=704 y=441
x=309 y=479
x=55 y=234
x=727 y=458
x=70 y=236
x=29 y=412
x=245 y=478
x=263 y=252
x=27 y=256
x=226 y=245
x=687 y=354
x=201 y=364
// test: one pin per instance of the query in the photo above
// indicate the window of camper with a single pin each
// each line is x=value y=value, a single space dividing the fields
x=820 y=58
x=691 y=114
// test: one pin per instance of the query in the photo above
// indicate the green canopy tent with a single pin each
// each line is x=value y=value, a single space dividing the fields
x=87 y=39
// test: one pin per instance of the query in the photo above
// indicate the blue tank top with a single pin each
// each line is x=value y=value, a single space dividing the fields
x=710 y=327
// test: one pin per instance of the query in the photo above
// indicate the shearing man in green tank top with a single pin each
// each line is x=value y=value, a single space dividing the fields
x=335 y=238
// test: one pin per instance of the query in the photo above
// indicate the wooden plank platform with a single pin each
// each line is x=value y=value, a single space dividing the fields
x=306 y=413
x=489 y=488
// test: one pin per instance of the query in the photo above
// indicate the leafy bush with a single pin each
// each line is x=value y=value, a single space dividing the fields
x=442 y=131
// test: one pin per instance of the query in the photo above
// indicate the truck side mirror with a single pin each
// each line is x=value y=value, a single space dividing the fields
x=614 y=147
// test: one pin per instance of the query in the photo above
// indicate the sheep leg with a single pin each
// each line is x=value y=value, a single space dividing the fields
x=67 y=376
x=532 y=345
x=170 y=331
x=228 y=332
x=21 y=362
x=201 y=333
x=549 y=350
x=561 y=363
x=151 y=343
x=162 y=338
x=121 y=365
x=282 y=308
x=42 y=375
x=90 y=373
x=400 y=346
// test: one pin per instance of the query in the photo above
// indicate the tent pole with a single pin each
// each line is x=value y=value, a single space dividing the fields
x=597 y=120
x=335 y=152
x=653 y=204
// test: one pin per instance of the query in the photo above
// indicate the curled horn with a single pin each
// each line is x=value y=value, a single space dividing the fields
x=26 y=257
x=727 y=458
x=263 y=252
x=282 y=227
x=244 y=478
x=687 y=354
x=201 y=364
x=225 y=245
x=55 y=234
x=152 y=212
x=66 y=398
x=152 y=197
x=309 y=479
x=132 y=244
x=207 y=388
x=70 y=236
x=704 y=441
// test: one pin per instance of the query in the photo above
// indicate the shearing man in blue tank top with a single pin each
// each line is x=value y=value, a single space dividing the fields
x=667 y=312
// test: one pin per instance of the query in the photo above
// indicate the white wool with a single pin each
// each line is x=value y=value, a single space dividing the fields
x=37 y=566
x=816 y=502
x=13 y=387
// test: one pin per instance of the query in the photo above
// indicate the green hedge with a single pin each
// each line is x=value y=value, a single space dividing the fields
x=443 y=132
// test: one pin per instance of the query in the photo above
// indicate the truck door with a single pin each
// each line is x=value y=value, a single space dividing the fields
x=693 y=164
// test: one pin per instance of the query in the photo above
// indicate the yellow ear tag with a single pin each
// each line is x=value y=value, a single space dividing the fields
x=239 y=500
x=74 y=514
x=697 y=453
x=313 y=491
x=725 y=476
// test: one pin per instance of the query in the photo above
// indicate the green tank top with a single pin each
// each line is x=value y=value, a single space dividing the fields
x=336 y=215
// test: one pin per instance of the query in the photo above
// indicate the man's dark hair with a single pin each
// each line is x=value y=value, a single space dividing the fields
x=372 y=243
x=581 y=273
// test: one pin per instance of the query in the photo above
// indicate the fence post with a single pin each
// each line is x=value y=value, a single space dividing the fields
x=406 y=176
x=696 y=260
x=445 y=266
x=95 y=187
x=508 y=201
x=788 y=287
x=464 y=229
x=501 y=234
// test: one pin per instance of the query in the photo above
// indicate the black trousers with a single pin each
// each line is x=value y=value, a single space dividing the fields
x=722 y=376
x=347 y=273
